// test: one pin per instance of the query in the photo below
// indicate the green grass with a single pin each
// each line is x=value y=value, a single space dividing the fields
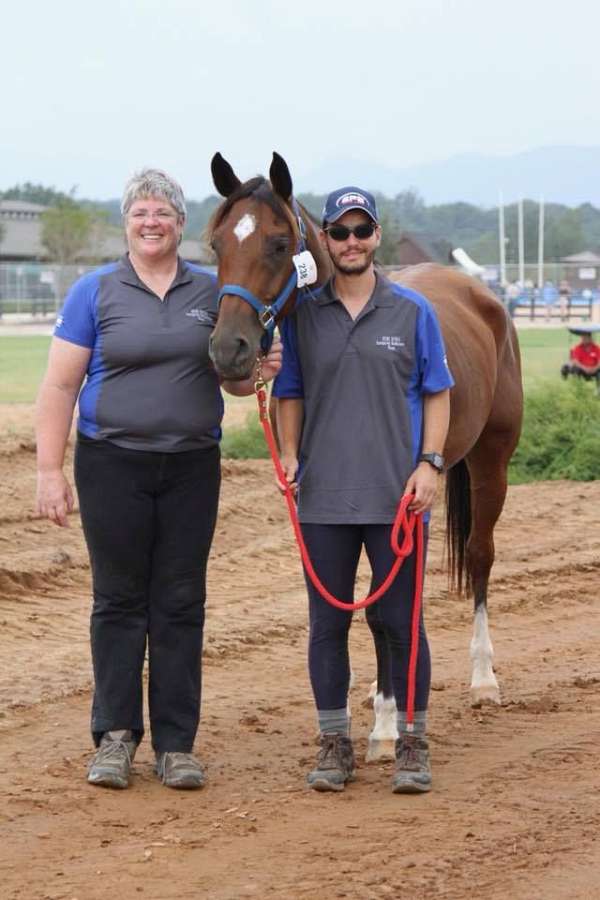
x=561 y=435
x=543 y=351
x=22 y=365
x=23 y=360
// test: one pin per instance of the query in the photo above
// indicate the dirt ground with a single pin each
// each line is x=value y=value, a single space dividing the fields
x=515 y=812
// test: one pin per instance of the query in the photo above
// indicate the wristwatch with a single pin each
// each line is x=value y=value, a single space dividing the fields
x=434 y=459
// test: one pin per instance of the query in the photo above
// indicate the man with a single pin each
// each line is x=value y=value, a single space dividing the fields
x=363 y=416
x=585 y=360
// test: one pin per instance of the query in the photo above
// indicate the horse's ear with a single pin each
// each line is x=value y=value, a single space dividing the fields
x=280 y=177
x=224 y=178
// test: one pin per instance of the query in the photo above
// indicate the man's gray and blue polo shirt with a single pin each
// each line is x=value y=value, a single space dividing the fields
x=150 y=384
x=362 y=382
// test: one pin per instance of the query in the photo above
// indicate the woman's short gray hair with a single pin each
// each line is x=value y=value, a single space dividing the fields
x=153 y=183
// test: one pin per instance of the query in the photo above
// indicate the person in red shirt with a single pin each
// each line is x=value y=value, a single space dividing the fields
x=584 y=360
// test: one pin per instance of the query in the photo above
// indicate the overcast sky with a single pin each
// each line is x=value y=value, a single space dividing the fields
x=91 y=92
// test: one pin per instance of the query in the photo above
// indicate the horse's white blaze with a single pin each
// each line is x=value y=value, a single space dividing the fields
x=245 y=227
x=484 y=686
x=382 y=739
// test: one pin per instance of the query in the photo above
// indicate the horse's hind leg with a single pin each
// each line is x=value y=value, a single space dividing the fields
x=382 y=739
x=487 y=464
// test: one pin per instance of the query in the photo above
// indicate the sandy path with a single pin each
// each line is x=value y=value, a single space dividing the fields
x=516 y=806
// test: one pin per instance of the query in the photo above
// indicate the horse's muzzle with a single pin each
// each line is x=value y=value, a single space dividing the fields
x=233 y=355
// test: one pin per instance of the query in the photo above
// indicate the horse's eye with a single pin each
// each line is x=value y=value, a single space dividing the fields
x=280 y=247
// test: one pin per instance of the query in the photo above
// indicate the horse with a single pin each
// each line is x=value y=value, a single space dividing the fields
x=255 y=233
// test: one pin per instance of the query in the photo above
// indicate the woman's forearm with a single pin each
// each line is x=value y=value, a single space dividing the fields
x=54 y=415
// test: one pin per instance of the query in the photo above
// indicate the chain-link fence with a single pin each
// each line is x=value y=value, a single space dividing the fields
x=36 y=289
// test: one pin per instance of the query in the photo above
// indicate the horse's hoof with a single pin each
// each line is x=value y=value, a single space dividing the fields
x=380 y=749
x=485 y=695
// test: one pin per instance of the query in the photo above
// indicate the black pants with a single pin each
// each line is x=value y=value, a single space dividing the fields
x=148 y=519
x=335 y=552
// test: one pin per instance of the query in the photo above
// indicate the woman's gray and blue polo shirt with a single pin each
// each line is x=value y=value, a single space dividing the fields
x=150 y=384
x=362 y=382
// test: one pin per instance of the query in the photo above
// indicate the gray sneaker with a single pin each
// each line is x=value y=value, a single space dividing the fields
x=335 y=764
x=180 y=770
x=111 y=765
x=413 y=768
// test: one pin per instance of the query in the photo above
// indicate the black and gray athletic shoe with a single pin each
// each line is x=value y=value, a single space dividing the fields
x=413 y=768
x=335 y=764
x=111 y=765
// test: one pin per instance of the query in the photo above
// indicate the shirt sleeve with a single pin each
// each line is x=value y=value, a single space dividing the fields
x=76 y=321
x=431 y=353
x=288 y=384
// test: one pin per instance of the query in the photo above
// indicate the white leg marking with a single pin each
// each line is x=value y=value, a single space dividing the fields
x=484 y=687
x=245 y=227
x=372 y=691
x=382 y=739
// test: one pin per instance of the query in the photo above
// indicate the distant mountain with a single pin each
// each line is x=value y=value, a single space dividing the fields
x=566 y=175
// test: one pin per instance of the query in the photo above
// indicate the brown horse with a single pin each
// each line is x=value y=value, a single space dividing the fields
x=255 y=233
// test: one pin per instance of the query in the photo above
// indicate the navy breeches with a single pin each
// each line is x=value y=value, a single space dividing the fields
x=335 y=552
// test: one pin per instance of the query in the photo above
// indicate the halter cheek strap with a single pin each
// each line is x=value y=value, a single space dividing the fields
x=267 y=314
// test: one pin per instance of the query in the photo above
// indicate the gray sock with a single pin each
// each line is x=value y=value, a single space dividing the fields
x=420 y=722
x=334 y=721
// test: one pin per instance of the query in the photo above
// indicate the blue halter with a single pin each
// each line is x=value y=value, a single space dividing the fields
x=267 y=314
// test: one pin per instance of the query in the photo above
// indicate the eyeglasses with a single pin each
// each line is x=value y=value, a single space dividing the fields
x=361 y=232
x=142 y=214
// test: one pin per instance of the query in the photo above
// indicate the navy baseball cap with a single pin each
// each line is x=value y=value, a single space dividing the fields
x=347 y=198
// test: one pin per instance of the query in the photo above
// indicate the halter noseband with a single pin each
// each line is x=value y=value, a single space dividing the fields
x=267 y=314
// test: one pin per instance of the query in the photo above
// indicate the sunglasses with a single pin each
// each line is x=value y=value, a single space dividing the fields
x=361 y=232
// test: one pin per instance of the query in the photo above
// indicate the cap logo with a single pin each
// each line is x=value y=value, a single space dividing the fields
x=347 y=199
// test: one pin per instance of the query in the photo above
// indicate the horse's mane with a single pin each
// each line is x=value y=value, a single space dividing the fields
x=259 y=189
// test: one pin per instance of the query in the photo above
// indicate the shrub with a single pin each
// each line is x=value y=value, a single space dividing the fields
x=247 y=442
x=561 y=434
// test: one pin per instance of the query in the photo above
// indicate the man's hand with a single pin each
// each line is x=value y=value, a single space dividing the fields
x=290 y=467
x=54 y=497
x=423 y=483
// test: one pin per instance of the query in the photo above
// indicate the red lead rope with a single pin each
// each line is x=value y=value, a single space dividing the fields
x=405 y=519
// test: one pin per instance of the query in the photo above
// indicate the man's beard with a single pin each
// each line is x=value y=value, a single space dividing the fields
x=356 y=268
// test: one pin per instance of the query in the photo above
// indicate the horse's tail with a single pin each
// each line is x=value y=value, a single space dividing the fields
x=458 y=525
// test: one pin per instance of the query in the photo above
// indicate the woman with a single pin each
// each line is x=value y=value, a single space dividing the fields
x=147 y=474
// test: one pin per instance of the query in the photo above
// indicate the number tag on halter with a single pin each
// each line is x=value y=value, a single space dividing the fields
x=306 y=268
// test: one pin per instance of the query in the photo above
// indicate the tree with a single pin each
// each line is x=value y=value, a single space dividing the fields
x=387 y=252
x=38 y=193
x=67 y=233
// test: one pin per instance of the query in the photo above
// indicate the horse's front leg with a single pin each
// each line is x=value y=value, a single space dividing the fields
x=382 y=739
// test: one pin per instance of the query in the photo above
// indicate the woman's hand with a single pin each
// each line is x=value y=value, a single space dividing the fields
x=54 y=497
x=271 y=363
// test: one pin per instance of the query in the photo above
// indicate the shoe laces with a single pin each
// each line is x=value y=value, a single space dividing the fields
x=177 y=760
x=115 y=748
x=408 y=754
x=331 y=752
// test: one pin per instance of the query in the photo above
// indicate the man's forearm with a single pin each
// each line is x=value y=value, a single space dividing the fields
x=290 y=416
x=436 y=420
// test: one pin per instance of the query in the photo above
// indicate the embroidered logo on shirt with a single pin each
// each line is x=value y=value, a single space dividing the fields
x=59 y=321
x=390 y=342
x=202 y=315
